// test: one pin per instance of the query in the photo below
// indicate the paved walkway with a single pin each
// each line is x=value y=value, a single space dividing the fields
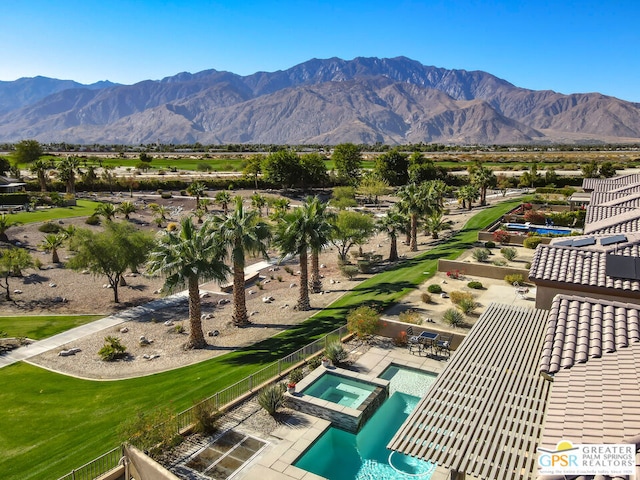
x=67 y=338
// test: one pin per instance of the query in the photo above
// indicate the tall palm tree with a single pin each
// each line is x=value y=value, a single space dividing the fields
x=239 y=233
x=435 y=223
x=417 y=201
x=393 y=223
x=51 y=243
x=293 y=237
x=482 y=178
x=467 y=194
x=319 y=237
x=39 y=167
x=187 y=257
x=67 y=169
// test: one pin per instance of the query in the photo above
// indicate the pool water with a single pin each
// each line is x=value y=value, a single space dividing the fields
x=553 y=231
x=343 y=391
x=339 y=455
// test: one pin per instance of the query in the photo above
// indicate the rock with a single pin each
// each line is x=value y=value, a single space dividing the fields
x=223 y=301
x=53 y=285
x=168 y=323
x=267 y=280
x=286 y=305
x=17 y=291
x=124 y=330
x=250 y=292
x=332 y=281
x=69 y=352
x=157 y=292
x=213 y=333
x=292 y=285
x=144 y=340
x=322 y=265
x=253 y=314
x=85 y=272
x=298 y=272
x=204 y=294
x=59 y=300
x=267 y=299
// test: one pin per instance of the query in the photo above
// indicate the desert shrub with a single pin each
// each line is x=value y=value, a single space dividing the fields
x=336 y=353
x=364 y=266
x=271 y=398
x=314 y=362
x=489 y=244
x=37 y=263
x=289 y=270
x=475 y=285
x=527 y=265
x=260 y=285
x=499 y=262
x=509 y=253
x=183 y=193
x=296 y=375
x=513 y=278
x=467 y=305
x=112 y=349
x=178 y=328
x=453 y=317
x=159 y=191
x=401 y=339
x=279 y=278
x=206 y=416
x=49 y=227
x=92 y=220
x=166 y=195
x=434 y=288
x=480 y=254
x=364 y=321
x=501 y=236
x=172 y=227
x=457 y=297
x=349 y=271
x=152 y=431
x=426 y=297
x=410 y=316
x=531 y=242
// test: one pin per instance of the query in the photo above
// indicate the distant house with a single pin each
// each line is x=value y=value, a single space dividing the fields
x=11 y=185
x=588 y=266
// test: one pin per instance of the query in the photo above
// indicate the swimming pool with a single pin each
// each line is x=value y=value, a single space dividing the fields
x=337 y=389
x=339 y=455
x=540 y=229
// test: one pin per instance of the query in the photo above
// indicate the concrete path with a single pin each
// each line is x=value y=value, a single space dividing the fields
x=67 y=338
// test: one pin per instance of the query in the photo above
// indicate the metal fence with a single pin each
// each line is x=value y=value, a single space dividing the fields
x=184 y=419
x=96 y=467
x=255 y=380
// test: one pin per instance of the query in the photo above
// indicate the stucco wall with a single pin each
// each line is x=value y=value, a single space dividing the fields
x=481 y=269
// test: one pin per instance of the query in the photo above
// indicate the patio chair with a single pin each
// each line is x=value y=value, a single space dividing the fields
x=413 y=341
x=521 y=290
x=443 y=345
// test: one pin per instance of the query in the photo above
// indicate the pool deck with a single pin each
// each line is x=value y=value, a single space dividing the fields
x=292 y=439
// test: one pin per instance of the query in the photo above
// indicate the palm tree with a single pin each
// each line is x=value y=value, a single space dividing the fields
x=240 y=233
x=67 y=171
x=5 y=224
x=467 y=194
x=197 y=189
x=187 y=257
x=106 y=210
x=109 y=176
x=482 y=178
x=293 y=237
x=319 y=237
x=417 y=201
x=435 y=223
x=127 y=208
x=51 y=243
x=223 y=198
x=258 y=201
x=39 y=167
x=280 y=208
x=392 y=224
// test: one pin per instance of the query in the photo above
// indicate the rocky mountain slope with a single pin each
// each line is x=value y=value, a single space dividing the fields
x=365 y=100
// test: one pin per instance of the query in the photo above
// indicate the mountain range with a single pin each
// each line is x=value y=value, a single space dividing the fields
x=364 y=100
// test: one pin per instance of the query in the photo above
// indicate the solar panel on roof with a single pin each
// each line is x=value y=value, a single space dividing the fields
x=584 y=242
x=611 y=240
x=563 y=243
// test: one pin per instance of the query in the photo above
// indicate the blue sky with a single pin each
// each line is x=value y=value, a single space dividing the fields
x=566 y=46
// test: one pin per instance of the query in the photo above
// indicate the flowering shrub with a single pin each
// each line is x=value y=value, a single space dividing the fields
x=455 y=274
x=501 y=236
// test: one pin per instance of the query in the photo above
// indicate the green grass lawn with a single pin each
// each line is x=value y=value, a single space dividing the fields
x=38 y=327
x=84 y=208
x=53 y=423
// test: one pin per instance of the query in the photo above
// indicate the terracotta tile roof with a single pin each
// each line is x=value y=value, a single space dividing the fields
x=483 y=415
x=596 y=213
x=580 y=329
x=625 y=222
x=629 y=200
x=610 y=183
x=596 y=402
x=585 y=266
x=633 y=188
